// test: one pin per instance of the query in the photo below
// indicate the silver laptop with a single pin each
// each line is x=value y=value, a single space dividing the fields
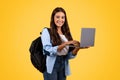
x=87 y=37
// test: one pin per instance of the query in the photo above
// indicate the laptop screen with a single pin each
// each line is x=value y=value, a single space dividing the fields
x=87 y=37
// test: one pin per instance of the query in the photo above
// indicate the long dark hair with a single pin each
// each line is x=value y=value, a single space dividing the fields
x=65 y=28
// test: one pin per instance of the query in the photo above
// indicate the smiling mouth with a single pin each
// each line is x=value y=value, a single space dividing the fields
x=59 y=22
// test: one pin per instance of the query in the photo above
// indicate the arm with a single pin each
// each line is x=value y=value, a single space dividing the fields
x=60 y=47
x=47 y=45
x=77 y=48
x=74 y=52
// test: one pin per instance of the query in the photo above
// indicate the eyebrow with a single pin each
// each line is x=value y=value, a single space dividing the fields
x=61 y=16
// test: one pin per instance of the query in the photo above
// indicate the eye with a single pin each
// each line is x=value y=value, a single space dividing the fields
x=57 y=16
x=63 y=17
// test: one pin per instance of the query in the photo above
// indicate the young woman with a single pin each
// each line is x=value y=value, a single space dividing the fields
x=56 y=46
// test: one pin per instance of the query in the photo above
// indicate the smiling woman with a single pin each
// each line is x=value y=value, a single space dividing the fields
x=57 y=61
x=22 y=20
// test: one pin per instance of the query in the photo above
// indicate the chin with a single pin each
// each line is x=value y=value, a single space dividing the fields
x=59 y=25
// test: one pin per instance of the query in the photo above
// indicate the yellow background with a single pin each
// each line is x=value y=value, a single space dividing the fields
x=22 y=20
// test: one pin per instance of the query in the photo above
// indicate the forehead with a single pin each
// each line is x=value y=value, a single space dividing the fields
x=59 y=14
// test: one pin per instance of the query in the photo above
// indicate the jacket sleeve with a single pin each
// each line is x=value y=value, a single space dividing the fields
x=48 y=49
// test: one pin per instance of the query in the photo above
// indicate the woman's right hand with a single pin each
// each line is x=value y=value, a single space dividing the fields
x=73 y=42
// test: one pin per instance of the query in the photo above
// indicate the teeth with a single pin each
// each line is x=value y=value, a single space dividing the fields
x=59 y=23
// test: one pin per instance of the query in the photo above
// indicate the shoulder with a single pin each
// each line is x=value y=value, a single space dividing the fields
x=45 y=32
x=44 y=29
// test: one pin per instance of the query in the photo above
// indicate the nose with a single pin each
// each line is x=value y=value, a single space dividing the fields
x=60 y=19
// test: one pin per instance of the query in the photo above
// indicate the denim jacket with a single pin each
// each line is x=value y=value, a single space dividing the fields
x=51 y=56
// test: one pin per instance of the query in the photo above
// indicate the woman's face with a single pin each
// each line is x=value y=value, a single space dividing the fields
x=59 y=19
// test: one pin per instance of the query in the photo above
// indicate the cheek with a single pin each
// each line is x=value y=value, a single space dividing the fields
x=55 y=19
x=64 y=20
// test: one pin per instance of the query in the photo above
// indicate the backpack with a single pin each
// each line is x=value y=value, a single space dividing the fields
x=36 y=54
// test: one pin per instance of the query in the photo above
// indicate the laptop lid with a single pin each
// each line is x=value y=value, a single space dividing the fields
x=87 y=37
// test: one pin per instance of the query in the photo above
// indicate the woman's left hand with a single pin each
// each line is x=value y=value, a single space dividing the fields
x=77 y=44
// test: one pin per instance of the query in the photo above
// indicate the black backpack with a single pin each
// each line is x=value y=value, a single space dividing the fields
x=36 y=54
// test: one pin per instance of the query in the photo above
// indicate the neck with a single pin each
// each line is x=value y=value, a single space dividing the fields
x=59 y=30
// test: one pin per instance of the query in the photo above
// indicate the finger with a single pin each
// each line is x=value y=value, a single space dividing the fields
x=84 y=47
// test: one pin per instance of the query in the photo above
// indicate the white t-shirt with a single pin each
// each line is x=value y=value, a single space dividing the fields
x=64 y=51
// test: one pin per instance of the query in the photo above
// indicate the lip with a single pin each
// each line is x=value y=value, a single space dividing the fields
x=60 y=22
